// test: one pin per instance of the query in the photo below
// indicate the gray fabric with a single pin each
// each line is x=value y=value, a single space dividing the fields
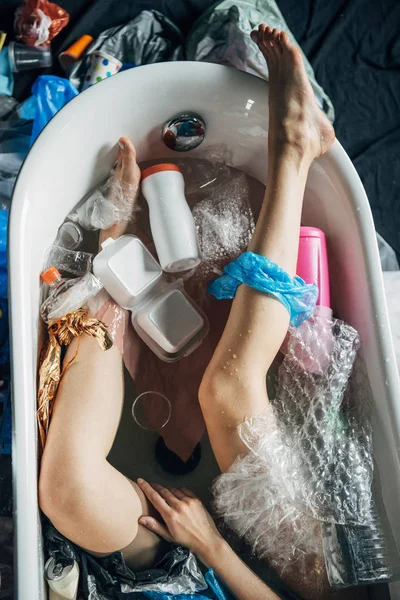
x=222 y=35
x=149 y=38
x=387 y=255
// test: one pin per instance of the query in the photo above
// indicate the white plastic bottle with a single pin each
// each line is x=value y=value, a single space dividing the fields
x=171 y=220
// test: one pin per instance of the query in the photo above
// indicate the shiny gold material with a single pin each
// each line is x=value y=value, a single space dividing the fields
x=61 y=333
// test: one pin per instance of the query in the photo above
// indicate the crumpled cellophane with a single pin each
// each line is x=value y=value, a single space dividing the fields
x=110 y=203
x=310 y=451
x=61 y=333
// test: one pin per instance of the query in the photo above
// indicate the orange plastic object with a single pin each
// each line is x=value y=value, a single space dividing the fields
x=75 y=52
x=50 y=275
x=30 y=26
x=159 y=168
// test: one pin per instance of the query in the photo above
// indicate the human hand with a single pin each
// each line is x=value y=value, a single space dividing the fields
x=187 y=521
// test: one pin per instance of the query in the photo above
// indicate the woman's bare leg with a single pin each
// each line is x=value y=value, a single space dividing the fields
x=87 y=499
x=234 y=385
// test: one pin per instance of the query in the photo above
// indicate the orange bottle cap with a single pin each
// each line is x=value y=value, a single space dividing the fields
x=50 y=275
x=159 y=168
x=75 y=52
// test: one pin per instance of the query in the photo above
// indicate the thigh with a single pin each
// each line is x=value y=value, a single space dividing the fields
x=88 y=405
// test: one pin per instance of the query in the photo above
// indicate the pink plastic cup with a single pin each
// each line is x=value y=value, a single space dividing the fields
x=314 y=352
x=312 y=262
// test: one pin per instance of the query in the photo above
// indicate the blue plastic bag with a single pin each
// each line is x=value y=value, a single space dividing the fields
x=259 y=272
x=3 y=254
x=49 y=94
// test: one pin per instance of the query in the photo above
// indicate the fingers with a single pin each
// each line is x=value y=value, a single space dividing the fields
x=162 y=497
x=188 y=492
x=155 y=498
x=156 y=527
x=167 y=495
x=179 y=493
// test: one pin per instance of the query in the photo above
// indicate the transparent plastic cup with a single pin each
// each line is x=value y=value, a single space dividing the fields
x=69 y=235
x=151 y=411
x=24 y=58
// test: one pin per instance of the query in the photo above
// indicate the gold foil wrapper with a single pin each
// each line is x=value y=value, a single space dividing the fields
x=61 y=333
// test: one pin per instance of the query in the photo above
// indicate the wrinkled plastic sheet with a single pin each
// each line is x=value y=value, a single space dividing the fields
x=109 y=577
x=149 y=38
x=75 y=297
x=222 y=36
x=310 y=452
x=110 y=203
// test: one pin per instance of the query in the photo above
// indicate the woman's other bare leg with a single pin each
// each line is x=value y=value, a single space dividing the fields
x=234 y=385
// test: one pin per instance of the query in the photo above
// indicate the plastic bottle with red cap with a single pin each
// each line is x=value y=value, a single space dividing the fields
x=66 y=295
x=171 y=220
x=57 y=286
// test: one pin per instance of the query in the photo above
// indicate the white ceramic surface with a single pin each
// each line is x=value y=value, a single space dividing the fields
x=75 y=152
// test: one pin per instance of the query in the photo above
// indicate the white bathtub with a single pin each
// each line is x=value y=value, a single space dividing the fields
x=75 y=152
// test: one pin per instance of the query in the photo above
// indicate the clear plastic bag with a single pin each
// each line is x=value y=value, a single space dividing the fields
x=69 y=262
x=310 y=452
x=112 y=202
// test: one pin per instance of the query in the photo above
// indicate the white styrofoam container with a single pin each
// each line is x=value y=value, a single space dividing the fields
x=126 y=269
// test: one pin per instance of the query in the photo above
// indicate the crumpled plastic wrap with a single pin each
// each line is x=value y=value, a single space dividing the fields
x=68 y=262
x=310 y=453
x=74 y=298
x=259 y=272
x=37 y=22
x=148 y=38
x=110 y=203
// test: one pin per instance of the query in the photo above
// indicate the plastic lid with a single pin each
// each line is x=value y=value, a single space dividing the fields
x=313 y=232
x=159 y=168
x=50 y=276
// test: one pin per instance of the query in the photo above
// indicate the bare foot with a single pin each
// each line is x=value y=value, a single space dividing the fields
x=125 y=183
x=295 y=119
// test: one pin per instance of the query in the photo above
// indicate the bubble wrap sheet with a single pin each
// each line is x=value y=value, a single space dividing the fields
x=111 y=203
x=310 y=456
x=224 y=222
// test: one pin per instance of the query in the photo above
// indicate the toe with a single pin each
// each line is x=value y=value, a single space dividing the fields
x=254 y=36
x=284 y=39
x=127 y=169
x=126 y=149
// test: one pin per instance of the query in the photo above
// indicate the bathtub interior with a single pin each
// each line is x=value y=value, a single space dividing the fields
x=75 y=152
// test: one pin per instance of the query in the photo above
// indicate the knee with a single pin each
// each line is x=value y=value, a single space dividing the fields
x=215 y=389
